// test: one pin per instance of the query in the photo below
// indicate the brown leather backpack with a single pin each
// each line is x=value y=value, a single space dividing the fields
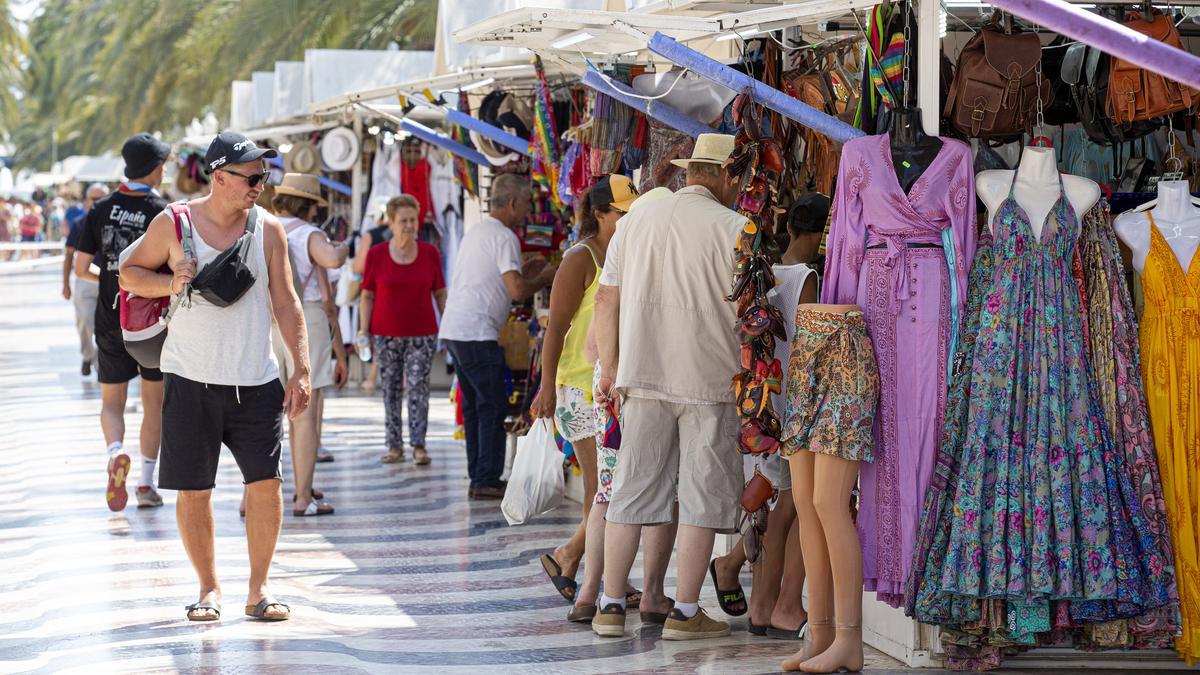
x=995 y=89
x=1135 y=94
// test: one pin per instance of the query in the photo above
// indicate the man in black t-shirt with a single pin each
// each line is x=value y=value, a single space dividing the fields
x=113 y=223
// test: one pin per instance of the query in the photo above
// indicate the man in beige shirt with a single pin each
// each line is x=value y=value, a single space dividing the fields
x=668 y=349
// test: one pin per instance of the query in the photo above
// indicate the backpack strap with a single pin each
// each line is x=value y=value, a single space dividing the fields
x=252 y=219
x=183 y=231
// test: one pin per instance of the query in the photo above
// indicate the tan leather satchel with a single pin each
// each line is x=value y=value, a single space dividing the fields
x=1136 y=94
x=995 y=89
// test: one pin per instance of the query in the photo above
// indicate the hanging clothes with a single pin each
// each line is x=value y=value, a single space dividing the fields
x=1170 y=342
x=446 y=194
x=1113 y=357
x=414 y=180
x=903 y=258
x=1038 y=510
x=385 y=180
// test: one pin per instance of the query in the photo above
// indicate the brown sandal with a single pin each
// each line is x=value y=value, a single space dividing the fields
x=420 y=456
x=394 y=456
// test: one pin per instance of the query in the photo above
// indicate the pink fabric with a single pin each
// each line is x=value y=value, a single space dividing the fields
x=905 y=294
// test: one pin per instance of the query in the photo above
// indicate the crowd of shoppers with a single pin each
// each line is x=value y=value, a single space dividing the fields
x=638 y=339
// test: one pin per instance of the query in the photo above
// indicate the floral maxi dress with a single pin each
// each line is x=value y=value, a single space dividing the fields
x=1035 y=511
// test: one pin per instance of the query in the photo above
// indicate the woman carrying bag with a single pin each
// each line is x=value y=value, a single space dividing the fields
x=296 y=202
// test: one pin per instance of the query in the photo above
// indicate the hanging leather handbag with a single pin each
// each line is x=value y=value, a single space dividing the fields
x=1136 y=94
x=995 y=90
x=1086 y=71
x=757 y=492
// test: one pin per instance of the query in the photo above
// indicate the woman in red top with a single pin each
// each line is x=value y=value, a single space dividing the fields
x=401 y=282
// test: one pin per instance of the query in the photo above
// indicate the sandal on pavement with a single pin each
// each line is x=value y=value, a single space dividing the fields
x=420 y=456
x=582 y=613
x=658 y=618
x=324 y=456
x=566 y=586
x=259 y=611
x=633 y=599
x=726 y=598
x=781 y=634
x=394 y=456
x=755 y=629
x=315 y=508
x=194 y=609
x=316 y=494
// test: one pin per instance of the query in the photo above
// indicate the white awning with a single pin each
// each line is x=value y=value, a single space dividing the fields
x=544 y=29
x=330 y=72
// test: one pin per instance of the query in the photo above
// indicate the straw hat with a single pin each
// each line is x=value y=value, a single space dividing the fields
x=301 y=185
x=710 y=149
x=339 y=149
x=302 y=158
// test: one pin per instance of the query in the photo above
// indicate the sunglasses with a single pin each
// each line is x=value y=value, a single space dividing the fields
x=251 y=180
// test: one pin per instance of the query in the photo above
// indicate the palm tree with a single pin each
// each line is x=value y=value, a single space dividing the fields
x=12 y=50
x=102 y=69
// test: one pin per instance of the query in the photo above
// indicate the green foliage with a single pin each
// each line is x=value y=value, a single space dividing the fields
x=100 y=70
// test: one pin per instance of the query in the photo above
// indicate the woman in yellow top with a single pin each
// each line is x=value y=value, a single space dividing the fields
x=566 y=390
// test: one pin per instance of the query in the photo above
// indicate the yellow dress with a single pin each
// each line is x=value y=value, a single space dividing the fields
x=1170 y=343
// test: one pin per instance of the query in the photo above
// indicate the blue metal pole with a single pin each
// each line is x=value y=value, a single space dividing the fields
x=768 y=96
x=327 y=182
x=660 y=111
x=430 y=136
x=515 y=143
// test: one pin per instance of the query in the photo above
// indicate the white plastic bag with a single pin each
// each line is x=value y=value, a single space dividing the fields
x=536 y=483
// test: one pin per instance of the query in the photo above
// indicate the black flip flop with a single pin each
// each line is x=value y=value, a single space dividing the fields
x=757 y=630
x=561 y=583
x=781 y=634
x=658 y=618
x=728 y=597
x=630 y=601
x=213 y=606
x=259 y=611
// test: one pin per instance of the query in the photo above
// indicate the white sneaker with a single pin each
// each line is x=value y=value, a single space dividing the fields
x=148 y=497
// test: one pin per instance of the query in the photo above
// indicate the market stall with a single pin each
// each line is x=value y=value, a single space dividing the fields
x=955 y=102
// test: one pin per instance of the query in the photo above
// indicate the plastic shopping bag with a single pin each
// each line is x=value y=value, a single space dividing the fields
x=536 y=483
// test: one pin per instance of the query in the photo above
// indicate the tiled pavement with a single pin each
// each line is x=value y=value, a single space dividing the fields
x=407 y=576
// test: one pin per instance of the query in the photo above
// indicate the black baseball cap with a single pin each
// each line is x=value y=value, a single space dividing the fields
x=230 y=147
x=809 y=213
x=143 y=154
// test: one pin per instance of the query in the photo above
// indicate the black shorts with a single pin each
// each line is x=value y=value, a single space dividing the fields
x=116 y=366
x=198 y=418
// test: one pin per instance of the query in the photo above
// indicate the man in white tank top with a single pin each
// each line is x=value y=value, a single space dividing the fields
x=220 y=375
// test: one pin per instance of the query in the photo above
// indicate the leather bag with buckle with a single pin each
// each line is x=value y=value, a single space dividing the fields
x=995 y=90
x=1136 y=94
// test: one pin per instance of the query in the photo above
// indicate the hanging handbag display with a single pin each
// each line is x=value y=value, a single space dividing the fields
x=996 y=88
x=1136 y=94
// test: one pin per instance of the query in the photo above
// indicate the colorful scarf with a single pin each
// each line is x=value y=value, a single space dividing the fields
x=465 y=172
x=545 y=138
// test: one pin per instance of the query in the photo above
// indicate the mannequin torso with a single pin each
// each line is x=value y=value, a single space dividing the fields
x=1036 y=189
x=912 y=149
x=1176 y=217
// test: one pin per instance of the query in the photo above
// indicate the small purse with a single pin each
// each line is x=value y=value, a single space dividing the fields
x=756 y=438
x=758 y=492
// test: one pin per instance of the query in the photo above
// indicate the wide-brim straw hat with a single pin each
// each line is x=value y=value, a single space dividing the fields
x=339 y=149
x=710 y=149
x=302 y=158
x=301 y=185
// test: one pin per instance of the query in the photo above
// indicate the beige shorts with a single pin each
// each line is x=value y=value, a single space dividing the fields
x=320 y=348
x=663 y=441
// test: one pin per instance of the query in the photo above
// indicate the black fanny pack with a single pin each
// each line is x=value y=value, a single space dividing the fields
x=227 y=278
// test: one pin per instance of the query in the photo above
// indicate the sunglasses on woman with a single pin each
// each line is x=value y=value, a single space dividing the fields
x=252 y=180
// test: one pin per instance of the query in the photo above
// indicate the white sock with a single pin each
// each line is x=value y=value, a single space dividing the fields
x=114 y=448
x=147 y=471
x=688 y=609
x=605 y=601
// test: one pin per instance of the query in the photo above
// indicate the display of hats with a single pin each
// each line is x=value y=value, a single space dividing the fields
x=302 y=158
x=496 y=154
x=339 y=149
x=515 y=116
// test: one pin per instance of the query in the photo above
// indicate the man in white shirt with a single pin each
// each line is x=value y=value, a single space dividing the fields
x=668 y=352
x=487 y=279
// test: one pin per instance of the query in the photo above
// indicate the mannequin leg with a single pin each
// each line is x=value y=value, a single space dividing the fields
x=834 y=478
x=816 y=562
